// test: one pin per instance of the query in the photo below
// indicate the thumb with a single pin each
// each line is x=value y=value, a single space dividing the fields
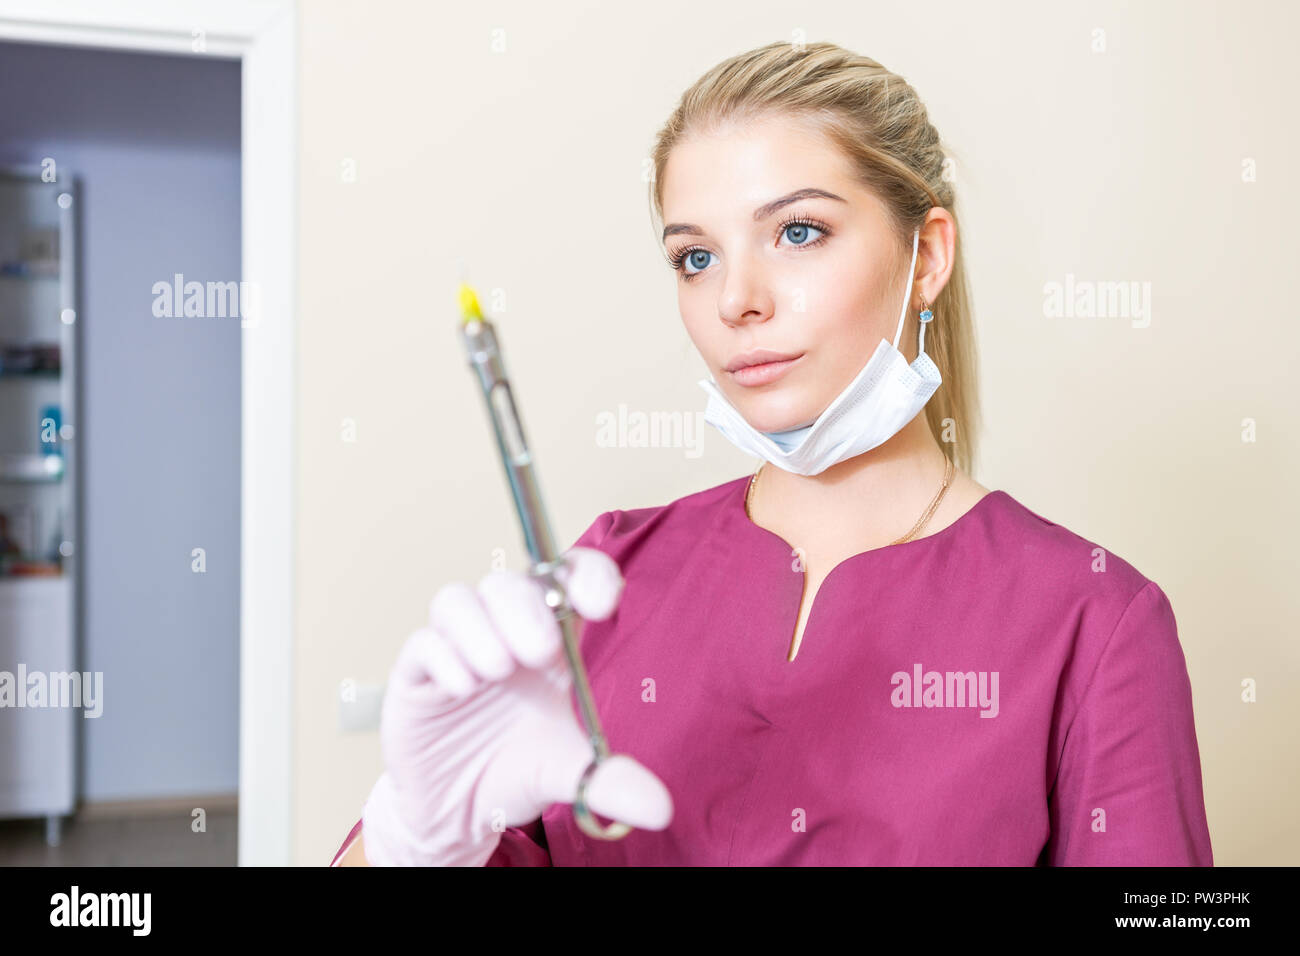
x=621 y=788
x=593 y=582
x=626 y=790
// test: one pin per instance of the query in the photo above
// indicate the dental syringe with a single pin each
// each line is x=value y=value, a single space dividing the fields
x=484 y=350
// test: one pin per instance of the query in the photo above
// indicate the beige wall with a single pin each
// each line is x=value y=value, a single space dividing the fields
x=1123 y=165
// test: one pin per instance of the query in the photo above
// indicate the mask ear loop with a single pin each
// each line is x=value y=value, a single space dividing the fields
x=907 y=297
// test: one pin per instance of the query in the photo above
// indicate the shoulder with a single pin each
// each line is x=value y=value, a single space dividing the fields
x=620 y=529
x=1050 y=558
x=1116 y=622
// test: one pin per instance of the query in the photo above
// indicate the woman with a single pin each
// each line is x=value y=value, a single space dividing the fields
x=858 y=655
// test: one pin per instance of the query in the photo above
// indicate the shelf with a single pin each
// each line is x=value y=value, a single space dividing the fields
x=42 y=376
x=31 y=468
x=30 y=376
x=40 y=612
x=31 y=359
x=14 y=585
x=43 y=573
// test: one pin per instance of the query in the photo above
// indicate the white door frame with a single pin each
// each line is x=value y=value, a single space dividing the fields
x=262 y=34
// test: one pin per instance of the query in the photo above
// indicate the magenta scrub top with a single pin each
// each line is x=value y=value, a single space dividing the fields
x=1001 y=692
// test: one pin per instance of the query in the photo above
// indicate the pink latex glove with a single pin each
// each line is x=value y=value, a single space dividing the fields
x=478 y=727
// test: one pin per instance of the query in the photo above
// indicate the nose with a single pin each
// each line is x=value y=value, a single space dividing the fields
x=744 y=298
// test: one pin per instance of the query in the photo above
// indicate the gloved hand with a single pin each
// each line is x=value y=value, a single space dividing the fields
x=478 y=729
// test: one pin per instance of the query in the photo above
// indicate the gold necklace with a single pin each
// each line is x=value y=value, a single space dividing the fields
x=920 y=522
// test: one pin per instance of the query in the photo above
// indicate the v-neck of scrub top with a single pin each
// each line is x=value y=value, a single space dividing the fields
x=891 y=559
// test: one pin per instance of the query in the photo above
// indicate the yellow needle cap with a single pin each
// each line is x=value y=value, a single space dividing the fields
x=469 y=304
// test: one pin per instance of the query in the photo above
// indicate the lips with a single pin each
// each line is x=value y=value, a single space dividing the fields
x=758 y=357
x=762 y=372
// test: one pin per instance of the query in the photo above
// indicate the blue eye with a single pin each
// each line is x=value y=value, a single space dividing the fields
x=798 y=233
x=693 y=257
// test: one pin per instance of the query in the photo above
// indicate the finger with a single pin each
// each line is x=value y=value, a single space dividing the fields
x=517 y=607
x=593 y=582
x=457 y=612
x=427 y=659
x=621 y=788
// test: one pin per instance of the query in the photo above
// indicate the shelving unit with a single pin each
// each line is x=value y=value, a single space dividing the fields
x=39 y=481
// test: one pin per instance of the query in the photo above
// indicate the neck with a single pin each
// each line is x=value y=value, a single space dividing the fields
x=870 y=496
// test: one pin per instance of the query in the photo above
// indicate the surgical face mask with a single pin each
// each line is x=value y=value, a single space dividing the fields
x=885 y=396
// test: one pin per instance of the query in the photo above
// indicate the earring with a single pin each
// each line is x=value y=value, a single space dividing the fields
x=926 y=317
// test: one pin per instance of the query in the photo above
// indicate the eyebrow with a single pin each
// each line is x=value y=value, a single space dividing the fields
x=761 y=213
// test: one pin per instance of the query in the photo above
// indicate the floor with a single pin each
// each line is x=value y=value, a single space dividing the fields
x=155 y=839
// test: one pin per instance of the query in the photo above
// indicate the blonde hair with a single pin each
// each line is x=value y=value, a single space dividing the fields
x=880 y=123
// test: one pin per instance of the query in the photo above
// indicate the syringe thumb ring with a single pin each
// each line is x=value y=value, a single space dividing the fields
x=587 y=821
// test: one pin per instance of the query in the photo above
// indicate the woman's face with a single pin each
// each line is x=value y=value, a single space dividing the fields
x=818 y=278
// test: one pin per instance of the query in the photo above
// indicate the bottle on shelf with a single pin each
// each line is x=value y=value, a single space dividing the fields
x=51 y=422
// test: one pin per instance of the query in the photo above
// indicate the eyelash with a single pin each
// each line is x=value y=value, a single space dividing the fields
x=676 y=259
